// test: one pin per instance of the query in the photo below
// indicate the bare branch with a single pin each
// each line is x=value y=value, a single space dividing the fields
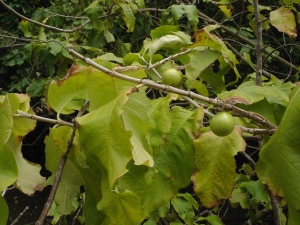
x=57 y=178
x=43 y=119
x=259 y=44
x=41 y=24
x=167 y=88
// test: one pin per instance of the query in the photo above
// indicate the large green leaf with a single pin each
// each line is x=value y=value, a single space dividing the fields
x=122 y=208
x=3 y=211
x=278 y=166
x=137 y=121
x=102 y=133
x=8 y=167
x=88 y=83
x=6 y=120
x=172 y=166
x=215 y=166
x=29 y=178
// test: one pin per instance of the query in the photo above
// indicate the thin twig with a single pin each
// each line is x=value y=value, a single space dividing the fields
x=41 y=24
x=259 y=45
x=57 y=178
x=20 y=216
x=43 y=119
x=275 y=209
x=77 y=215
x=248 y=157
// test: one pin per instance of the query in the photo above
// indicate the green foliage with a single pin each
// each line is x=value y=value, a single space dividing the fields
x=145 y=155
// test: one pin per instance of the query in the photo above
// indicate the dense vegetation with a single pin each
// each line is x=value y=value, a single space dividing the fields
x=129 y=89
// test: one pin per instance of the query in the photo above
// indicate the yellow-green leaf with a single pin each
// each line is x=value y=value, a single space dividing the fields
x=215 y=166
x=284 y=20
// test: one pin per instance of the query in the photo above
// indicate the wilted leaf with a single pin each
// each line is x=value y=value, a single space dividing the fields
x=284 y=20
x=102 y=133
x=215 y=166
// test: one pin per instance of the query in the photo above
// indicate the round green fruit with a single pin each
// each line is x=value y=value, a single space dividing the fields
x=222 y=124
x=172 y=77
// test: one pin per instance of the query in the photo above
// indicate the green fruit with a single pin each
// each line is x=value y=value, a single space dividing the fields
x=222 y=124
x=172 y=77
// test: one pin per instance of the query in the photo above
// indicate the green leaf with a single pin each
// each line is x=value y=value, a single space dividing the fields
x=284 y=20
x=37 y=88
x=204 y=38
x=190 y=199
x=252 y=94
x=240 y=196
x=137 y=121
x=128 y=15
x=82 y=82
x=4 y=211
x=24 y=28
x=92 y=177
x=190 y=11
x=167 y=41
x=48 y=59
x=215 y=166
x=278 y=163
x=8 y=168
x=199 y=61
x=106 y=138
x=263 y=108
x=126 y=204
x=6 y=121
x=184 y=209
x=93 y=12
x=215 y=80
x=257 y=190
x=56 y=145
x=213 y=219
x=23 y=126
x=55 y=48
x=226 y=7
x=172 y=166
x=162 y=31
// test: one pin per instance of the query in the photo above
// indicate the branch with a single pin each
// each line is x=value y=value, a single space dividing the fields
x=259 y=44
x=43 y=119
x=167 y=59
x=247 y=41
x=265 y=73
x=167 y=88
x=275 y=208
x=20 y=216
x=41 y=24
x=57 y=178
